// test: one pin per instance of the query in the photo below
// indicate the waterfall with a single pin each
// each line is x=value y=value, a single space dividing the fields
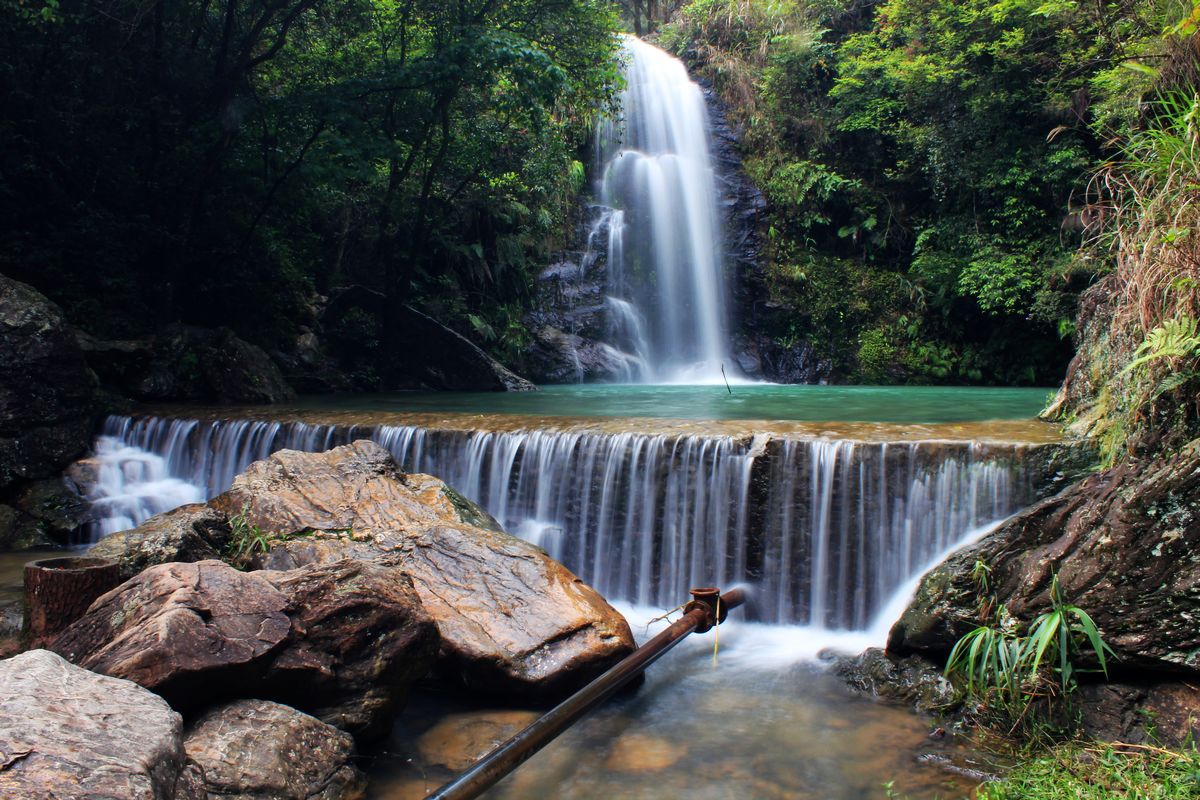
x=659 y=201
x=825 y=530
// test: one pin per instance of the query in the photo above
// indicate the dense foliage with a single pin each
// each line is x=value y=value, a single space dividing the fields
x=1136 y=381
x=925 y=165
x=226 y=161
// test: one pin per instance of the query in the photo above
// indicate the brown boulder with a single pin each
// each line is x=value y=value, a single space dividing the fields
x=342 y=639
x=267 y=751
x=68 y=733
x=360 y=637
x=189 y=533
x=1123 y=545
x=181 y=629
x=356 y=488
x=511 y=618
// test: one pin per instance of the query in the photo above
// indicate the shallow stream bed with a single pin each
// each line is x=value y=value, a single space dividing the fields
x=765 y=722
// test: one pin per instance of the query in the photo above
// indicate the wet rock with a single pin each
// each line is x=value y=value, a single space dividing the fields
x=459 y=740
x=84 y=475
x=342 y=639
x=190 y=533
x=511 y=619
x=69 y=733
x=264 y=750
x=357 y=489
x=1161 y=713
x=20 y=532
x=913 y=681
x=360 y=637
x=637 y=753
x=47 y=392
x=1122 y=543
x=765 y=357
x=181 y=629
x=202 y=365
x=54 y=508
x=560 y=357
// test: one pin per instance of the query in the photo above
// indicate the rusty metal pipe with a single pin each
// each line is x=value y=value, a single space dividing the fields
x=698 y=615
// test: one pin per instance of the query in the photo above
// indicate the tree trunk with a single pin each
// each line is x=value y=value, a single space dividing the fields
x=59 y=590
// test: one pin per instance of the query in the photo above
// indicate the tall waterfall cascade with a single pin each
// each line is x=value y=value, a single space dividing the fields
x=665 y=309
x=826 y=531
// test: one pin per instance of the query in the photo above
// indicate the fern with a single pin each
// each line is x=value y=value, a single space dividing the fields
x=1175 y=338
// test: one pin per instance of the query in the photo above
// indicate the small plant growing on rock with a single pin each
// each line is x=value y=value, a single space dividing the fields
x=1009 y=670
x=245 y=538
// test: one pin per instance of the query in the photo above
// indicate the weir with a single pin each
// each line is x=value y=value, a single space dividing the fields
x=826 y=530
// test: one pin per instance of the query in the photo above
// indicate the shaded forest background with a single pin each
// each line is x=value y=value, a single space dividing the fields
x=926 y=164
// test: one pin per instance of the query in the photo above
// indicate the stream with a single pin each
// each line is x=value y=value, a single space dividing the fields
x=827 y=522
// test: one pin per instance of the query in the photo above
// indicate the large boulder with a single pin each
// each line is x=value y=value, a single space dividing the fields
x=343 y=639
x=267 y=751
x=69 y=733
x=190 y=533
x=512 y=619
x=1122 y=543
x=189 y=364
x=47 y=392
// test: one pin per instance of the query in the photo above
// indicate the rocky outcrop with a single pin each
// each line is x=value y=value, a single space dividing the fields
x=1157 y=713
x=188 y=364
x=512 y=619
x=556 y=356
x=267 y=751
x=190 y=533
x=47 y=392
x=342 y=639
x=913 y=681
x=1123 y=545
x=68 y=733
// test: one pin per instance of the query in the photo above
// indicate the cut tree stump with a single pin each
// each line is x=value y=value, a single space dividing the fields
x=59 y=590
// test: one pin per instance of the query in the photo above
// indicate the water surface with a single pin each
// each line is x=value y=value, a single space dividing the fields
x=752 y=726
x=801 y=403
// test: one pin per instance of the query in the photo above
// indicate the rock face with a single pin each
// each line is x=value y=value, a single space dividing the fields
x=560 y=357
x=189 y=533
x=68 y=733
x=264 y=750
x=342 y=639
x=1123 y=544
x=47 y=392
x=189 y=364
x=511 y=618
x=1152 y=713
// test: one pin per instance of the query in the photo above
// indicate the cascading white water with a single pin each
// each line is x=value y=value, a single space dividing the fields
x=131 y=485
x=659 y=191
x=826 y=530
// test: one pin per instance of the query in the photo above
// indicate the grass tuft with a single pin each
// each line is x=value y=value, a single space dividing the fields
x=1101 y=772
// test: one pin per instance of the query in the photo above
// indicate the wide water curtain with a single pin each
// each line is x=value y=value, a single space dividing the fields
x=826 y=531
x=664 y=237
